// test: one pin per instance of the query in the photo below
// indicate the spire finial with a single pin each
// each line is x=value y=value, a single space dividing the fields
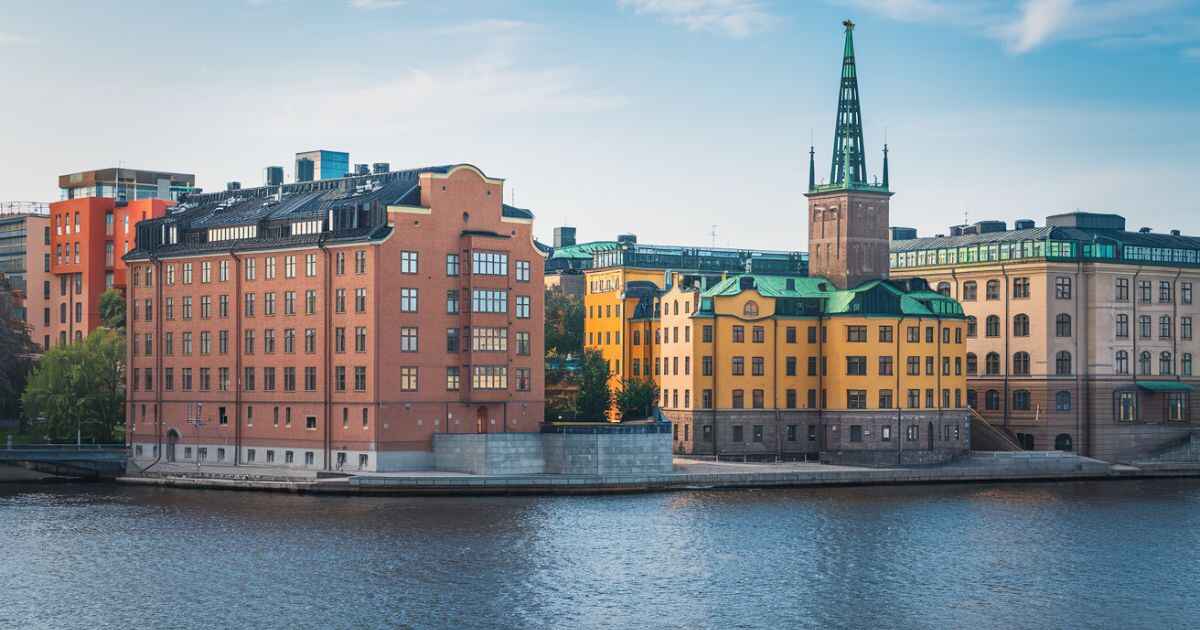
x=812 y=168
x=885 y=166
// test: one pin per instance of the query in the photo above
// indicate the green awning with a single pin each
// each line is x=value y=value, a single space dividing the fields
x=1164 y=386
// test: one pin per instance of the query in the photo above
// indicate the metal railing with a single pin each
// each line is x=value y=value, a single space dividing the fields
x=993 y=431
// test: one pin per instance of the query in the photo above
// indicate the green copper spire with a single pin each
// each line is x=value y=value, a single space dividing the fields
x=849 y=164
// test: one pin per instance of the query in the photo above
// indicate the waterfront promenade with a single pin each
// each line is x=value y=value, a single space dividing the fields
x=688 y=474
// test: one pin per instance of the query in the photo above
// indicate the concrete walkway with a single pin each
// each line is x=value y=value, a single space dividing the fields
x=689 y=474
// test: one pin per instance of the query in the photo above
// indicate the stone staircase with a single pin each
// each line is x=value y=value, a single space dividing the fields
x=1032 y=462
x=987 y=437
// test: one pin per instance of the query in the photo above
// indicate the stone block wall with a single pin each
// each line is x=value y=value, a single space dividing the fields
x=607 y=454
x=489 y=453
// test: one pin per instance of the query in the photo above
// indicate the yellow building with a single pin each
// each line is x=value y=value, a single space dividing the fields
x=793 y=367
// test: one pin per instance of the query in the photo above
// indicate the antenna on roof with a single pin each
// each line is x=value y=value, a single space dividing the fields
x=714 y=234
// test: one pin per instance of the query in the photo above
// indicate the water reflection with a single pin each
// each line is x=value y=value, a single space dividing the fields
x=1033 y=555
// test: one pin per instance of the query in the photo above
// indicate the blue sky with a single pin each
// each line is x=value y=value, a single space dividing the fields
x=657 y=117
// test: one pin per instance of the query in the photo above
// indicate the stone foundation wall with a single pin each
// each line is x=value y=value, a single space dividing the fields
x=489 y=453
x=566 y=453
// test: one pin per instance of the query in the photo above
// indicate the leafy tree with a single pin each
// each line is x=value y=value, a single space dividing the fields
x=594 y=398
x=79 y=386
x=16 y=351
x=564 y=323
x=112 y=310
x=636 y=397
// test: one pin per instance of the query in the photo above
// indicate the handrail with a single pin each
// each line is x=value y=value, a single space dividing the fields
x=1004 y=437
x=117 y=446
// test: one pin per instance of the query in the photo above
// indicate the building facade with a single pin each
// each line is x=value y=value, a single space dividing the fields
x=126 y=184
x=778 y=354
x=25 y=263
x=335 y=324
x=321 y=164
x=1080 y=333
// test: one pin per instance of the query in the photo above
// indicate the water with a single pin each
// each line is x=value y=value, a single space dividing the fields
x=1070 y=555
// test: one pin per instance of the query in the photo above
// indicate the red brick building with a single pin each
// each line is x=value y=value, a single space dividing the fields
x=334 y=324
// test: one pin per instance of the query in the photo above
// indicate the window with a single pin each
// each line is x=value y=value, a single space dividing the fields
x=885 y=366
x=944 y=288
x=756 y=399
x=524 y=379
x=991 y=400
x=1121 y=362
x=914 y=399
x=488 y=301
x=1176 y=407
x=452 y=264
x=289 y=266
x=1144 y=363
x=1164 y=292
x=1062 y=288
x=251 y=268
x=1122 y=326
x=1020 y=287
x=360 y=300
x=408 y=379
x=969 y=291
x=972 y=364
x=489 y=377
x=1185 y=364
x=269 y=271
x=1126 y=406
x=408 y=339
x=1062 y=363
x=523 y=271
x=885 y=334
x=489 y=263
x=339 y=378
x=453 y=379
x=289 y=379
x=739 y=402
x=360 y=378
x=972 y=326
x=1122 y=290
x=310 y=379
x=914 y=334
x=1185 y=327
x=1164 y=327
x=857 y=365
x=913 y=366
x=992 y=326
x=1166 y=364
x=1021 y=400
x=993 y=290
x=523 y=306
x=360 y=261
x=1020 y=365
x=856 y=399
x=1185 y=292
x=738 y=366
x=488 y=339
x=1144 y=291
x=1144 y=326
x=289 y=302
x=739 y=334
x=1021 y=325
x=707 y=334
x=885 y=399
x=1062 y=401
x=408 y=300
x=757 y=335
x=408 y=262
x=857 y=334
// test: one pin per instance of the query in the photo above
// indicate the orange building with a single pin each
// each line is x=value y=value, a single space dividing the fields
x=88 y=237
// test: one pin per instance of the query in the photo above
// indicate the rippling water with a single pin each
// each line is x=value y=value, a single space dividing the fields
x=1071 y=555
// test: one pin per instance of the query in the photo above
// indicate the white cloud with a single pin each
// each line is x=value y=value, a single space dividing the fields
x=1040 y=20
x=376 y=4
x=735 y=18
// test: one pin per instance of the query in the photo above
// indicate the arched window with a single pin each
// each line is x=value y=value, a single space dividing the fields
x=1165 y=363
x=1144 y=363
x=972 y=364
x=992 y=363
x=969 y=291
x=750 y=310
x=944 y=288
x=1123 y=325
x=972 y=326
x=1020 y=400
x=1062 y=325
x=1062 y=442
x=993 y=289
x=1062 y=401
x=1020 y=365
x=991 y=400
x=972 y=399
x=1062 y=363
x=1021 y=325
x=1122 y=362
x=992 y=327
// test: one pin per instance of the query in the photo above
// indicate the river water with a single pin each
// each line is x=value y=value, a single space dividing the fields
x=1067 y=555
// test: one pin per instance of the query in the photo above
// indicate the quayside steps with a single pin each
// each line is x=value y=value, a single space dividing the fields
x=986 y=437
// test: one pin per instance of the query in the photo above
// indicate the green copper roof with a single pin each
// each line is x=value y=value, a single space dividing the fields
x=877 y=297
x=584 y=250
x=1164 y=386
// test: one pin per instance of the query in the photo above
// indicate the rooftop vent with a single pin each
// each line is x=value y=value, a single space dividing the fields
x=957 y=230
x=746 y=282
x=1023 y=224
x=791 y=284
x=381 y=167
x=1174 y=232
x=987 y=227
x=362 y=169
x=1144 y=230
x=233 y=186
x=903 y=233
x=627 y=238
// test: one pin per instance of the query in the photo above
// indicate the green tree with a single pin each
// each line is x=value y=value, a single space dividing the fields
x=635 y=398
x=564 y=323
x=112 y=310
x=16 y=352
x=594 y=398
x=79 y=387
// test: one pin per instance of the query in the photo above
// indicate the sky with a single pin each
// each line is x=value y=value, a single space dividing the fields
x=662 y=118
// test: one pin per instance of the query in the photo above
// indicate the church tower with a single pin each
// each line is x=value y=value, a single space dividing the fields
x=848 y=216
